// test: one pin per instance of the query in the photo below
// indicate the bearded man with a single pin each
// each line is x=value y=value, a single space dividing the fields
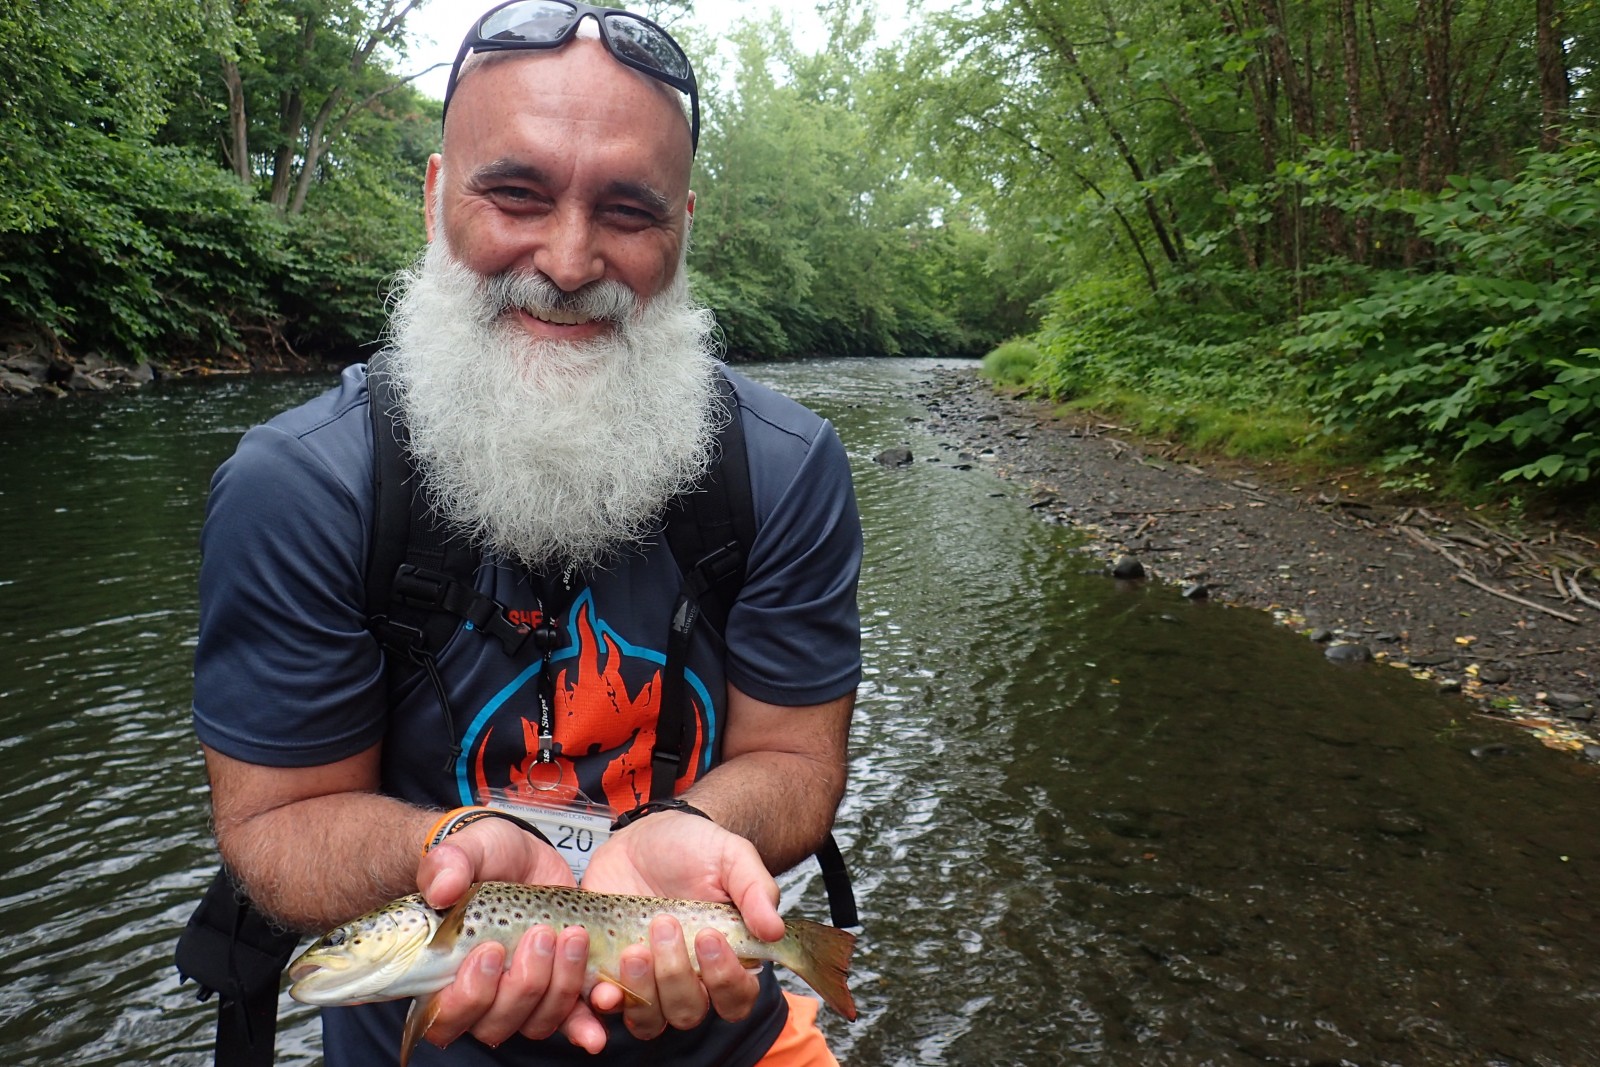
x=559 y=391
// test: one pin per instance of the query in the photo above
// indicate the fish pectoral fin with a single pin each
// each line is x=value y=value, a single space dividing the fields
x=636 y=998
x=750 y=963
x=419 y=1017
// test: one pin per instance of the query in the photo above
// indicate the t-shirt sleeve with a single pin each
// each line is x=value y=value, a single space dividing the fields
x=286 y=672
x=794 y=635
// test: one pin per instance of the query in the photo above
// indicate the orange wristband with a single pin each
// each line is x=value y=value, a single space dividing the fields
x=460 y=818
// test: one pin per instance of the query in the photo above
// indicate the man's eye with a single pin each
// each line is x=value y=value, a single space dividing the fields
x=637 y=216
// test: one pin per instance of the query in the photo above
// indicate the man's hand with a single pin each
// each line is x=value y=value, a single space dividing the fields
x=675 y=854
x=540 y=989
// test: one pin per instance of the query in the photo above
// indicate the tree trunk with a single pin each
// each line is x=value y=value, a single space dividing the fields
x=317 y=139
x=1438 y=155
x=1555 y=89
x=1350 y=31
x=1246 y=249
x=1301 y=107
x=238 y=145
x=1069 y=54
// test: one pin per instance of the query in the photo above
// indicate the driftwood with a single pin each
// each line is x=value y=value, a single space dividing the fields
x=1171 y=511
x=1579 y=594
x=1470 y=580
x=1464 y=574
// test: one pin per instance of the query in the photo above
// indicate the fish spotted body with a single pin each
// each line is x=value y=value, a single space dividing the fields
x=408 y=949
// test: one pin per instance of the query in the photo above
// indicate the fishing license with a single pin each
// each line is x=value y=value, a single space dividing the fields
x=575 y=829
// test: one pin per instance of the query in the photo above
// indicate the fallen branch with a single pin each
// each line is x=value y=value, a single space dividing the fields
x=1577 y=591
x=1541 y=652
x=1427 y=542
x=1470 y=580
x=1172 y=511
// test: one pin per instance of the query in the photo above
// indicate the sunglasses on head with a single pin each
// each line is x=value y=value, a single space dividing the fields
x=632 y=40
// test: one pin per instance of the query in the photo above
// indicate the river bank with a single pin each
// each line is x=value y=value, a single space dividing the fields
x=35 y=365
x=1463 y=601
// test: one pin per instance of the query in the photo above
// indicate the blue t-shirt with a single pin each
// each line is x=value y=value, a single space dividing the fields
x=287 y=673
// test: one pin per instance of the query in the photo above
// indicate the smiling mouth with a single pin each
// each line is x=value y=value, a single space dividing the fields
x=559 y=318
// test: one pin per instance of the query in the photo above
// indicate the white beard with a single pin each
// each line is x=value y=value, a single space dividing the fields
x=554 y=454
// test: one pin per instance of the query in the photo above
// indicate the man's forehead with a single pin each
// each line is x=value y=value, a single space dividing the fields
x=586 y=54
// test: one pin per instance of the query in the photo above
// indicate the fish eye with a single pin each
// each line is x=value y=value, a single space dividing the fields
x=335 y=939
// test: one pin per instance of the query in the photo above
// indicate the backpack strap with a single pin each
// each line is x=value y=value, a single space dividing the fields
x=231 y=949
x=419 y=578
x=710 y=532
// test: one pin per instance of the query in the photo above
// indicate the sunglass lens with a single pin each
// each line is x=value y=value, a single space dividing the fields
x=645 y=44
x=537 y=20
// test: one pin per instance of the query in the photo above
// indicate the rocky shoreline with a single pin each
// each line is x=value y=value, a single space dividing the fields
x=37 y=366
x=1507 y=615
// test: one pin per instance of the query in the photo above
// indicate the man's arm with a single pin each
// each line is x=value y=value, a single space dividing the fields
x=781 y=777
x=316 y=846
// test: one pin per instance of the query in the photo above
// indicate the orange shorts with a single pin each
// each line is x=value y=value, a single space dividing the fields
x=800 y=1043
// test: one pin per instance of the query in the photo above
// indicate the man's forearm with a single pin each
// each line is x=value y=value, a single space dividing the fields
x=780 y=802
x=318 y=862
x=314 y=845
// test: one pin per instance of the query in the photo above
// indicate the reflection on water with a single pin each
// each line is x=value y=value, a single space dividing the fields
x=1090 y=822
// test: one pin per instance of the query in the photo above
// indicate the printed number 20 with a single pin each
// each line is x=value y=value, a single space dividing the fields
x=576 y=837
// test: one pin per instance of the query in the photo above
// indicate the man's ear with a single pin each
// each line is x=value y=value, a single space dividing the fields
x=430 y=194
x=690 y=207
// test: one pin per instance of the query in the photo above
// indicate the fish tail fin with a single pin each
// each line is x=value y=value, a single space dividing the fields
x=823 y=962
x=419 y=1017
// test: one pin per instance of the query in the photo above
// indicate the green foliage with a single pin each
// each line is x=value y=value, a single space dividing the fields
x=154 y=253
x=120 y=232
x=812 y=234
x=1015 y=362
x=1495 y=353
x=1242 y=207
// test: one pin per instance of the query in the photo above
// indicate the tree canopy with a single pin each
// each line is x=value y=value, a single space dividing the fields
x=1367 y=219
x=243 y=177
x=1363 y=216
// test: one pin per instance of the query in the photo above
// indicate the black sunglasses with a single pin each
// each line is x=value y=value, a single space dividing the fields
x=633 y=40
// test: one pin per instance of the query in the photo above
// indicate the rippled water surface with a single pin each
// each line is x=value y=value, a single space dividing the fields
x=1091 y=823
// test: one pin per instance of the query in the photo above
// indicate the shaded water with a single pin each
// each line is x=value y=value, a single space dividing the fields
x=1090 y=823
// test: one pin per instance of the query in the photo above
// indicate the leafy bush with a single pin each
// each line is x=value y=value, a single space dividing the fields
x=148 y=253
x=1496 y=355
x=1013 y=363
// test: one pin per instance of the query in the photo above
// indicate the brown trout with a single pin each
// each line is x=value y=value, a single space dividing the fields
x=408 y=949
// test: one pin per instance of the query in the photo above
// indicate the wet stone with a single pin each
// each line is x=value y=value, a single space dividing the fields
x=1566 y=702
x=1127 y=567
x=1348 y=653
x=1494 y=675
x=894 y=457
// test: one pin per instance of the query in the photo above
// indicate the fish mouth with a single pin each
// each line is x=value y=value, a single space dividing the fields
x=302 y=969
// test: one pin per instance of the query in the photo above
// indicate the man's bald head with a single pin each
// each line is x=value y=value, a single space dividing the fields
x=587 y=29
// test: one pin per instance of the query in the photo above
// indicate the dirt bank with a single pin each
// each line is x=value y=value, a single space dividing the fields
x=1467 y=602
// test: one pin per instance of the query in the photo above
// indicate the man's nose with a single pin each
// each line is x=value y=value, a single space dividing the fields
x=569 y=256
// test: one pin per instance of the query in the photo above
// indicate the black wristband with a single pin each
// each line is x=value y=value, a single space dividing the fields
x=464 y=817
x=650 y=807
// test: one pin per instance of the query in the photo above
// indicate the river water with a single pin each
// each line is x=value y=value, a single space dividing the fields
x=1091 y=822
